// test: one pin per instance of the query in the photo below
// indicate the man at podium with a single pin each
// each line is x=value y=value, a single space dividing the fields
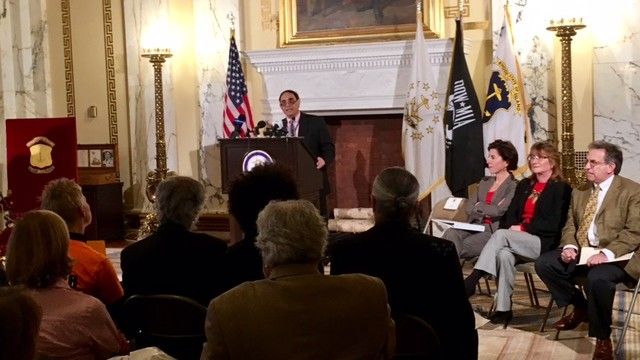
x=315 y=136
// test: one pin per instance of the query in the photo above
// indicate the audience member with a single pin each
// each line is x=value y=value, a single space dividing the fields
x=532 y=225
x=19 y=323
x=490 y=202
x=93 y=272
x=248 y=195
x=410 y=264
x=298 y=312
x=605 y=214
x=74 y=325
x=174 y=260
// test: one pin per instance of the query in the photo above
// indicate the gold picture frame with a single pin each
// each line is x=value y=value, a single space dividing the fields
x=304 y=22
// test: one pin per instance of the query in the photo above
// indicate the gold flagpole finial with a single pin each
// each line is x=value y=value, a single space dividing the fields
x=418 y=9
x=460 y=9
x=232 y=19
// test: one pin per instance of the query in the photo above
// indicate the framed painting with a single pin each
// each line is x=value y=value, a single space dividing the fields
x=333 y=21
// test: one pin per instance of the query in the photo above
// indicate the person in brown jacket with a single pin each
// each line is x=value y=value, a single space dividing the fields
x=297 y=312
x=605 y=215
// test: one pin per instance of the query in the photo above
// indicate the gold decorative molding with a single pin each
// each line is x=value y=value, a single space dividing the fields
x=451 y=12
x=68 y=57
x=109 y=60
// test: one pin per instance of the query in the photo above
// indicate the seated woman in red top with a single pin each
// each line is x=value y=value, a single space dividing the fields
x=74 y=325
x=490 y=202
x=532 y=225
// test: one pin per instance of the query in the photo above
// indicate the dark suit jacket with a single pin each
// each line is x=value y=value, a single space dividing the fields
x=550 y=213
x=318 y=141
x=299 y=313
x=243 y=262
x=423 y=278
x=617 y=221
x=175 y=261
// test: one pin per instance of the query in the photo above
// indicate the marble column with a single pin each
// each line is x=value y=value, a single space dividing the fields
x=25 y=86
x=617 y=85
x=212 y=31
x=140 y=18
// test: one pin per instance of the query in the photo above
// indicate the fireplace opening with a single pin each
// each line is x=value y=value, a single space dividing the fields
x=365 y=145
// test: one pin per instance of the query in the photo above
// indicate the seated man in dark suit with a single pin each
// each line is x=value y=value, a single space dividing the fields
x=248 y=195
x=174 y=260
x=421 y=272
x=297 y=312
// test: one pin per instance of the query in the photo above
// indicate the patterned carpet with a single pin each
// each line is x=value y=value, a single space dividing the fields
x=522 y=340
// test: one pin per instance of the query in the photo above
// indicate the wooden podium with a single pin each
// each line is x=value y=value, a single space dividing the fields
x=289 y=151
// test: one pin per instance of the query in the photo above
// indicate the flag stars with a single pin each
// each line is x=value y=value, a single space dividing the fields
x=429 y=130
x=416 y=135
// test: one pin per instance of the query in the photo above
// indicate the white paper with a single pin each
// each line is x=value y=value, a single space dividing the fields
x=462 y=225
x=587 y=252
x=452 y=203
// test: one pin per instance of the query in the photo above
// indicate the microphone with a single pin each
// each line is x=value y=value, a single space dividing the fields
x=237 y=126
x=259 y=127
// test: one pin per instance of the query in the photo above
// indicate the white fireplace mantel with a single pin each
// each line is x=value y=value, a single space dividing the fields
x=349 y=79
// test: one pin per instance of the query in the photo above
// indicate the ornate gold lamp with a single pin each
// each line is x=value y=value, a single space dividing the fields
x=565 y=30
x=157 y=57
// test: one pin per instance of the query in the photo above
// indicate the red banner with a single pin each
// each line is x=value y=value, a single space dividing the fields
x=38 y=150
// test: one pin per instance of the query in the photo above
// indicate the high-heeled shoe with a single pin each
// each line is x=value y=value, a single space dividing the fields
x=471 y=281
x=500 y=317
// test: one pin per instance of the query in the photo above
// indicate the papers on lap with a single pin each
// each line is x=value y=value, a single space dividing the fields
x=461 y=225
x=587 y=252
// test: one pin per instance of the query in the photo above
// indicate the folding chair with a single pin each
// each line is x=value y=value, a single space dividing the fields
x=627 y=318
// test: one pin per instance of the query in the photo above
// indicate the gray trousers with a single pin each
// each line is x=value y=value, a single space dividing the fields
x=499 y=257
x=469 y=244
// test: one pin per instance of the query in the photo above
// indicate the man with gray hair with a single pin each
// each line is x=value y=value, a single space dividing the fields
x=410 y=263
x=92 y=271
x=174 y=260
x=297 y=312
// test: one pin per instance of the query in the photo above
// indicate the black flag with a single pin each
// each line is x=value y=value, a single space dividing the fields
x=465 y=161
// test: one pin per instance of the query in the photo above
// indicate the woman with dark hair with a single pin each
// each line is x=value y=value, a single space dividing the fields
x=490 y=202
x=74 y=325
x=19 y=322
x=532 y=225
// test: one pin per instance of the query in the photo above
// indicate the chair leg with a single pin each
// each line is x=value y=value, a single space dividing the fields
x=627 y=319
x=486 y=282
x=564 y=312
x=546 y=315
x=533 y=290
x=528 y=283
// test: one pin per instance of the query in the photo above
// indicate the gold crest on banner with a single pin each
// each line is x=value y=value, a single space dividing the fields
x=40 y=160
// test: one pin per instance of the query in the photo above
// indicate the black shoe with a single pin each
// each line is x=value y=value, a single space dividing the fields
x=471 y=281
x=500 y=317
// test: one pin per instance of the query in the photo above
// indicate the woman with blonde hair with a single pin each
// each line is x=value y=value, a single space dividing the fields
x=532 y=225
x=74 y=325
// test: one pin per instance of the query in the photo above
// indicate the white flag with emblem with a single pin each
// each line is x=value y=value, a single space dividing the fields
x=505 y=110
x=422 y=129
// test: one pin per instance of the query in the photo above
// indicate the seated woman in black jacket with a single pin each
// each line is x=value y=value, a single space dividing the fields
x=532 y=225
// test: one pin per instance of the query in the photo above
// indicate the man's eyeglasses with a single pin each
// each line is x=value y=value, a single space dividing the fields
x=593 y=163
x=289 y=101
x=536 y=157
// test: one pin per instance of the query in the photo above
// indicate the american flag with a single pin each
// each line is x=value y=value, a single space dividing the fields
x=237 y=110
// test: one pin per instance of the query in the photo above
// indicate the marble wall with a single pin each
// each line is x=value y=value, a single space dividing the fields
x=25 y=87
x=211 y=28
x=535 y=50
x=617 y=86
